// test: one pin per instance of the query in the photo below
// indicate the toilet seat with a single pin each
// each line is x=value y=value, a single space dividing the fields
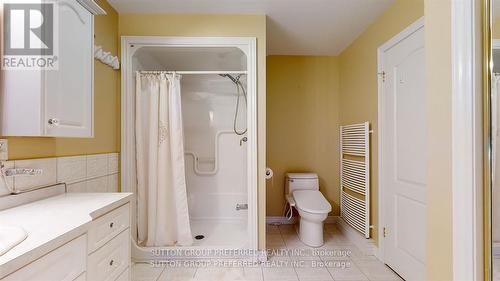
x=311 y=201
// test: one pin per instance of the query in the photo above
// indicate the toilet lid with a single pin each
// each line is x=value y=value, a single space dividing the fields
x=311 y=201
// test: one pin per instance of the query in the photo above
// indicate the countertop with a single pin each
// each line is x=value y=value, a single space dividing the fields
x=52 y=222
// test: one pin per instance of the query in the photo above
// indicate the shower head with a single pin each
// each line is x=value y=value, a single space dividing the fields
x=232 y=78
x=237 y=82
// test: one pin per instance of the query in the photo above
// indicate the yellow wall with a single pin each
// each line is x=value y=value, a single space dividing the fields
x=215 y=25
x=358 y=80
x=106 y=103
x=357 y=95
x=439 y=191
x=302 y=124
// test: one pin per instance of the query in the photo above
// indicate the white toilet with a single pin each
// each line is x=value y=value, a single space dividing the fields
x=303 y=193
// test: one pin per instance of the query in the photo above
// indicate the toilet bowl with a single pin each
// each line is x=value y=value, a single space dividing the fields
x=304 y=195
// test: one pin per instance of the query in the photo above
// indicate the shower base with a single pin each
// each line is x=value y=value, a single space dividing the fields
x=218 y=235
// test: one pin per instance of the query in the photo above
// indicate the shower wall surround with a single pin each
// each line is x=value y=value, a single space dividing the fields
x=82 y=173
x=208 y=109
x=220 y=161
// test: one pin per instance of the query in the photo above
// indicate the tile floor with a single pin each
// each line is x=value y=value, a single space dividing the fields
x=496 y=268
x=289 y=260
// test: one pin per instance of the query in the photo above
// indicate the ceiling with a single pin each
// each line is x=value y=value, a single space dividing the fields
x=294 y=27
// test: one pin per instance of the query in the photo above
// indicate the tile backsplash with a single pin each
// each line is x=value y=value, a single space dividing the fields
x=84 y=173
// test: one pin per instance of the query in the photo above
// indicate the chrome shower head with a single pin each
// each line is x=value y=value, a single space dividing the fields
x=232 y=78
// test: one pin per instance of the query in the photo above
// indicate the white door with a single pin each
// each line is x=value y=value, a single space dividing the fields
x=68 y=98
x=403 y=143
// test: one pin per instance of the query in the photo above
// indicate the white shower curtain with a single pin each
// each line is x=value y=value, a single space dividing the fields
x=495 y=177
x=163 y=218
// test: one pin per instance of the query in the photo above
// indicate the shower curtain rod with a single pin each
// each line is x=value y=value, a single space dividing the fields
x=195 y=72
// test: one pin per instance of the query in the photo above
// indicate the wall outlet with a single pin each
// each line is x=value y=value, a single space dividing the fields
x=4 y=150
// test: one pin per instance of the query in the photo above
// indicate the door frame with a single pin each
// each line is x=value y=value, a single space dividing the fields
x=419 y=24
x=470 y=146
x=488 y=196
x=469 y=31
x=248 y=45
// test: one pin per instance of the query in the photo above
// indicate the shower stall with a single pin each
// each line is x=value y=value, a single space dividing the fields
x=215 y=80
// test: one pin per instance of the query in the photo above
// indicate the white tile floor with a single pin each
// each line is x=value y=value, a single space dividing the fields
x=290 y=260
x=496 y=268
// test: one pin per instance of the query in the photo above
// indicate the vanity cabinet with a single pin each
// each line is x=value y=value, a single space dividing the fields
x=64 y=263
x=100 y=254
x=109 y=245
x=55 y=103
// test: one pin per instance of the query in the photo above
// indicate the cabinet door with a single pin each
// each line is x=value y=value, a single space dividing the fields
x=20 y=99
x=65 y=263
x=69 y=90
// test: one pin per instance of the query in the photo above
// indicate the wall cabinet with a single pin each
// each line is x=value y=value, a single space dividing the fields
x=55 y=103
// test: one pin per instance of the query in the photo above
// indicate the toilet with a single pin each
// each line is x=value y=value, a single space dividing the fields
x=302 y=192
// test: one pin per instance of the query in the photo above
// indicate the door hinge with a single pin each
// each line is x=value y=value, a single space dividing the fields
x=384 y=231
x=382 y=75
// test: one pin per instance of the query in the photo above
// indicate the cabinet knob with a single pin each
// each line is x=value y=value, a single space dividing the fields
x=53 y=121
x=111 y=225
x=111 y=262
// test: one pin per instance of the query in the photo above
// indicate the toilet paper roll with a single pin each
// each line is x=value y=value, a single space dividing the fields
x=269 y=173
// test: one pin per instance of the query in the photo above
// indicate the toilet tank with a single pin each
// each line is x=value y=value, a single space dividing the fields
x=301 y=181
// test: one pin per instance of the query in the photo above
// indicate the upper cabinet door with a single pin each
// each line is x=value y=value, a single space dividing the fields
x=69 y=90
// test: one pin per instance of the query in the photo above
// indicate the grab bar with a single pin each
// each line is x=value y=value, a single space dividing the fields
x=195 y=164
x=216 y=161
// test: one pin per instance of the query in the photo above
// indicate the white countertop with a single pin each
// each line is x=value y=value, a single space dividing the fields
x=52 y=222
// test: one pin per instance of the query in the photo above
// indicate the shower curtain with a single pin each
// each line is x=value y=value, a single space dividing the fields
x=163 y=218
x=495 y=177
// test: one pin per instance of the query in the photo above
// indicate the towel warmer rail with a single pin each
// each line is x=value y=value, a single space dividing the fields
x=355 y=176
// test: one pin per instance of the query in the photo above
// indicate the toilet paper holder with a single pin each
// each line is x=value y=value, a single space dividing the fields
x=269 y=173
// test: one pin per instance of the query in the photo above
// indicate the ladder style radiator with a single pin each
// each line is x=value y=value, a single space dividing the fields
x=355 y=176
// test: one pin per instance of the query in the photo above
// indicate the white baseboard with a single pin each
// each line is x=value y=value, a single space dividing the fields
x=367 y=246
x=281 y=220
x=294 y=220
x=332 y=219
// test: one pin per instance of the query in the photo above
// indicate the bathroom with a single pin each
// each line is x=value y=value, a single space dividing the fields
x=274 y=156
